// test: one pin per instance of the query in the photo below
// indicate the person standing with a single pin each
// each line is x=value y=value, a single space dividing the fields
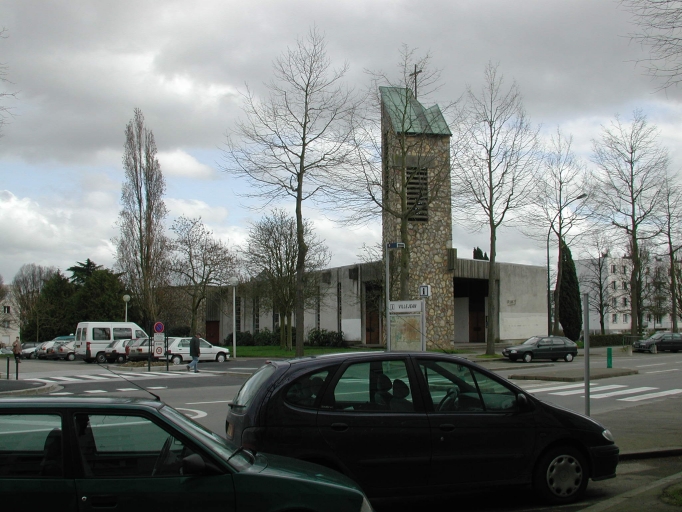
x=194 y=352
x=16 y=350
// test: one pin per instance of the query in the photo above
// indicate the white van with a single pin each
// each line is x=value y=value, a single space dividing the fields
x=92 y=338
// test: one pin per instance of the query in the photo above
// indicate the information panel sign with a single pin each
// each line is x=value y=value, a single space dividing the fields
x=408 y=325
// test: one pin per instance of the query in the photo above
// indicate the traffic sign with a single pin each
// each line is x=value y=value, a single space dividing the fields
x=425 y=290
x=158 y=327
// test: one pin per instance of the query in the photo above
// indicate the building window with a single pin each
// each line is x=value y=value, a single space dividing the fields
x=625 y=301
x=614 y=302
x=614 y=285
x=648 y=317
x=625 y=269
x=613 y=269
x=625 y=285
x=5 y=324
x=256 y=314
x=626 y=318
x=614 y=318
x=275 y=321
x=659 y=319
x=317 y=309
x=5 y=309
x=418 y=194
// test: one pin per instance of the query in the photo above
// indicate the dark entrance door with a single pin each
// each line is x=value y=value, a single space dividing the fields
x=476 y=290
x=213 y=332
x=476 y=326
x=372 y=313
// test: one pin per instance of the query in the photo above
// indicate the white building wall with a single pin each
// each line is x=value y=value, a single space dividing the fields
x=523 y=301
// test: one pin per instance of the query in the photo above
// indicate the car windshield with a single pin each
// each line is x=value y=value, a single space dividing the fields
x=251 y=386
x=657 y=336
x=220 y=446
x=531 y=341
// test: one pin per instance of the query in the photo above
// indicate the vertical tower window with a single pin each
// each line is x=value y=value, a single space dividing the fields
x=338 y=303
x=418 y=194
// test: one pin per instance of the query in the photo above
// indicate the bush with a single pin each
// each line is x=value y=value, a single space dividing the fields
x=325 y=338
x=265 y=338
x=244 y=339
x=606 y=340
x=179 y=331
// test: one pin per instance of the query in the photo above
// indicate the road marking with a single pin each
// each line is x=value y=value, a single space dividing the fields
x=597 y=389
x=69 y=379
x=647 y=365
x=93 y=377
x=651 y=395
x=665 y=371
x=95 y=391
x=622 y=392
x=556 y=388
x=48 y=381
x=242 y=368
x=157 y=387
x=197 y=414
x=128 y=389
x=62 y=393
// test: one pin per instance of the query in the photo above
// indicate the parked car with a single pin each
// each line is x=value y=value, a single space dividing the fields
x=67 y=351
x=661 y=340
x=138 y=350
x=41 y=351
x=543 y=347
x=178 y=350
x=92 y=338
x=52 y=353
x=28 y=349
x=116 y=351
x=418 y=424
x=86 y=453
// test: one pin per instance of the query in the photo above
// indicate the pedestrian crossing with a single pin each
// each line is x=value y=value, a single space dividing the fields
x=113 y=376
x=599 y=390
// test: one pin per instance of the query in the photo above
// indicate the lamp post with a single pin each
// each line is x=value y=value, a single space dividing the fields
x=387 y=289
x=549 y=231
x=126 y=299
x=233 y=283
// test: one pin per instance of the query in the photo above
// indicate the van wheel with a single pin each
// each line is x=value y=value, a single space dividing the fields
x=101 y=358
x=561 y=475
x=70 y=357
x=177 y=360
x=220 y=358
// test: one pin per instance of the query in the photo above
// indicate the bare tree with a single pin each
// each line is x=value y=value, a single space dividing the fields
x=403 y=166
x=628 y=187
x=670 y=225
x=142 y=248
x=199 y=261
x=4 y=291
x=270 y=257
x=495 y=159
x=293 y=143
x=26 y=287
x=559 y=205
x=594 y=278
x=660 y=23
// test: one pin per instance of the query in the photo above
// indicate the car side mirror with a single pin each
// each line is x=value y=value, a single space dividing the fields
x=523 y=403
x=193 y=465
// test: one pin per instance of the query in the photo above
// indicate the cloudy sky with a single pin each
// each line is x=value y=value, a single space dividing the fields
x=79 y=68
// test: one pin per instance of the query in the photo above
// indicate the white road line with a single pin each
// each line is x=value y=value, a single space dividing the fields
x=157 y=387
x=93 y=377
x=128 y=389
x=651 y=395
x=240 y=368
x=48 y=381
x=68 y=379
x=62 y=393
x=95 y=391
x=665 y=371
x=647 y=365
x=556 y=388
x=631 y=391
x=597 y=389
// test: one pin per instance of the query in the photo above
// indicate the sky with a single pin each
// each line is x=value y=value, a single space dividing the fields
x=80 y=68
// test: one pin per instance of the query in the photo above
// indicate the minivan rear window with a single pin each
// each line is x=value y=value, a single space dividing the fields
x=122 y=333
x=101 y=334
x=251 y=386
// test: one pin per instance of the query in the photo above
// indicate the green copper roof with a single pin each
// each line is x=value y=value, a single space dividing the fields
x=407 y=115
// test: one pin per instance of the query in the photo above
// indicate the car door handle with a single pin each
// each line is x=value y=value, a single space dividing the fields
x=106 y=501
x=339 y=427
x=447 y=427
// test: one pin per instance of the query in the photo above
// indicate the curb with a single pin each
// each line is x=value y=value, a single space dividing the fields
x=651 y=454
x=47 y=388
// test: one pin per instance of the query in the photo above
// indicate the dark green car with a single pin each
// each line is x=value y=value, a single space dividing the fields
x=84 y=453
x=543 y=347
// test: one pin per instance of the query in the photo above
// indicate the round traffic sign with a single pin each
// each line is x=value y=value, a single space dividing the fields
x=158 y=351
x=158 y=327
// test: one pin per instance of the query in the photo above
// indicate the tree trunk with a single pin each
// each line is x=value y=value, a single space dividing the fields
x=300 y=265
x=557 y=290
x=492 y=295
x=289 y=335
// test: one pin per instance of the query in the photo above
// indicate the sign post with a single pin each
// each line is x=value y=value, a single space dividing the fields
x=156 y=348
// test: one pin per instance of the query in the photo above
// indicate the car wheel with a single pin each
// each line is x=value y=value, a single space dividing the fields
x=527 y=357
x=568 y=358
x=121 y=359
x=561 y=475
x=651 y=350
x=177 y=360
x=71 y=357
x=220 y=358
x=101 y=358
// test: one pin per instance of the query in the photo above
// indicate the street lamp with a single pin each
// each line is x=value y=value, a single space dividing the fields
x=387 y=289
x=126 y=299
x=233 y=283
x=549 y=231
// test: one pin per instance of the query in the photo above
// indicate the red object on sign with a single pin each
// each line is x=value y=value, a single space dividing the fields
x=158 y=327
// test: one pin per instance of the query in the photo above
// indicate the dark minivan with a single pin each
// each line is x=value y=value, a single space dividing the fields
x=408 y=424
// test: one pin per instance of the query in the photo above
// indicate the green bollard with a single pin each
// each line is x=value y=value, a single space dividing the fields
x=609 y=357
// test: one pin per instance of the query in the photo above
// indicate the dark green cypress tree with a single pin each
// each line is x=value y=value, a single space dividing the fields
x=570 y=313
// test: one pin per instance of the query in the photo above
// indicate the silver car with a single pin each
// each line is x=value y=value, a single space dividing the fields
x=178 y=351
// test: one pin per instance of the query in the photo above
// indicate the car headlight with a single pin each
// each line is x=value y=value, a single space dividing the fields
x=608 y=435
x=512 y=351
x=366 y=507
